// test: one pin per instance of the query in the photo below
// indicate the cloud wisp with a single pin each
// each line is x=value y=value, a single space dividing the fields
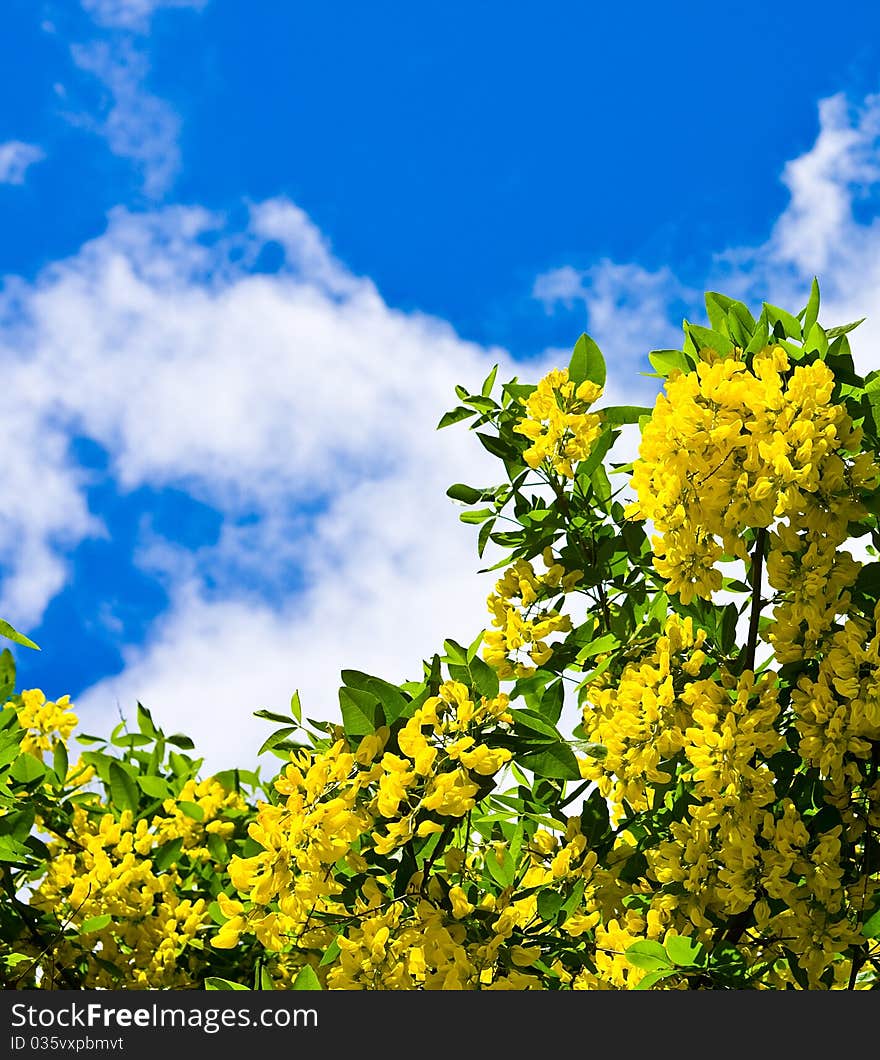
x=16 y=158
x=134 y=15
x=135 y=124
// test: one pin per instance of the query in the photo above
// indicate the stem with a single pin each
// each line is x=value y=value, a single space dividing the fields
x=445 y=836
x=737 y=924
x=754 y=617
x=589 y=552
x=31 y=922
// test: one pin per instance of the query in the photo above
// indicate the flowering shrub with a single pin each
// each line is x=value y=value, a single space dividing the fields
x=711 y=822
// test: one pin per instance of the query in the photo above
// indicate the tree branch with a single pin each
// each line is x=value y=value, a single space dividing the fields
x=754 y=617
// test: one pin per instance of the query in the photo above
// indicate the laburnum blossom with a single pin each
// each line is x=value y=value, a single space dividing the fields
x=558 y=424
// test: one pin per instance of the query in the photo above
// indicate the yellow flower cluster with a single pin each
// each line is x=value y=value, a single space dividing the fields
x=730 y=447
x=640 y=718
x=765 y=862
x=557 y=422
x=446 y=932
x=135 y=920
x=733 y=851
x=337 y=800
x=44 y=721
x=521 y=624
x=838 y=711
x=457 y=935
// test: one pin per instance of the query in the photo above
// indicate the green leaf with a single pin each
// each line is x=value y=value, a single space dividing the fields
x=552 y=700
x=17 y=638
x=761 y=335
x=466 y=494
x=817 y=340
x=181 y=741
x=593 y=750
x=843 y=329
x=717 y=306
x=502 y=874
x=455 y=416
x=620 y=414
x=811 y=310
x=7 y=674
x=330 y=954
x=131 y=739
x=191 y=809
x=145 y=721
x=59 y=761
x=477 y=517
x=489 y=382
x=167 y=854
x=651 y=978
x=474 y=645
x=214 y=982
x=727 y=960
x=556 y=761
x=549 y=904
x=154 y=787
x=270 y=715
x=26 y=769
x=495 y=446
x=740 y=325
x=684 y=952
x=456 y=652
x=217 y=848
x=602 y=487
x=18 y=823
x=649 y=955
x=123 y=789
x=360 y=712
x=13 y=851
x=484 y=677
x=181 y=765
x=95 y=923
x=586 y=362
x=531 y=726
x=277 y=737
x=394 y=704
x=704 y=339
x=306 y=979
x=483 y=537
x=871 y=927
x=790 y=324
x=296 y=706
x=607 y=642
x=666 y=361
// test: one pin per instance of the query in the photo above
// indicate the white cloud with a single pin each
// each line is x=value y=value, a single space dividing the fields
x=136 y=124
x=627 y=308
x=829 y=228
x=133 y=15
x=16 y=158
x=255 y=393
x=821 y=232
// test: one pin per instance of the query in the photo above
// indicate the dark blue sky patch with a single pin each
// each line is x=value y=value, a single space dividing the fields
x=108 y=600
x=454 y=158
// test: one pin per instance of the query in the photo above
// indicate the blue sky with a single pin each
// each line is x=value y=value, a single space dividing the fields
x=248 y=249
